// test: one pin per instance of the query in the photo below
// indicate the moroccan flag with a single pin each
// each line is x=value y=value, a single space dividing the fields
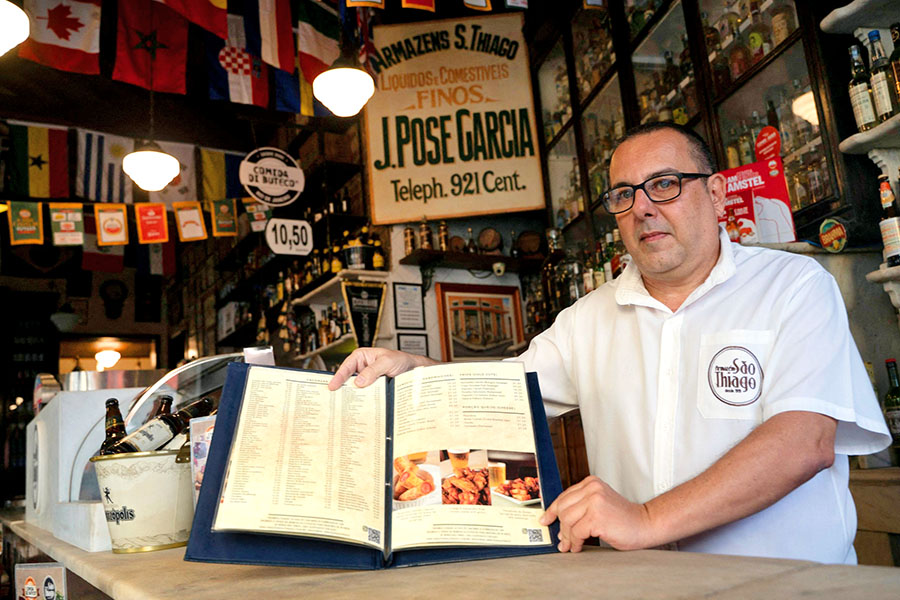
x=234 y=74
x=211 y=15
x=40 y=161
x=267 y=27
x=420 y=4
x=65 y=35
x=99 y=175
x=110 y=259
x=151 y=46
x=318 y=35
x=220 y=174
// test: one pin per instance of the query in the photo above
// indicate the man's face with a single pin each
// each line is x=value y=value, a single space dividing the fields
x=671 y=241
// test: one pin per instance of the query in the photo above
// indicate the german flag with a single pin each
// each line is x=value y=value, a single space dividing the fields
x=40 y=161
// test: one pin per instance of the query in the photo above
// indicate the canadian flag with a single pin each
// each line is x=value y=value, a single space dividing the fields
x=65 y=34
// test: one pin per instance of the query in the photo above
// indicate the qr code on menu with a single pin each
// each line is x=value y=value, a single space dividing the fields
x=535 y=535
x=374 y=535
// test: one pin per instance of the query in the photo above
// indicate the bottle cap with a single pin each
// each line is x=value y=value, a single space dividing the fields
x=112 y=402
x=890 y=360
x=874 y=35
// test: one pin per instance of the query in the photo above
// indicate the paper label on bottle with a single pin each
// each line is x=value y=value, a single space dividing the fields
x=892 y=416
x=881 y=93
x=890 y=236
x=861 y=100
x=150 y=436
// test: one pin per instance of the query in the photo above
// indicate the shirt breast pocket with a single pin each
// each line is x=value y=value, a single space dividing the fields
x=731 y=373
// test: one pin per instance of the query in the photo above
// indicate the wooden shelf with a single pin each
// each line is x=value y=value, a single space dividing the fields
x=343 y=345
x=464 y=260
x=330 y=291
x=885 y=135
x=871 y=14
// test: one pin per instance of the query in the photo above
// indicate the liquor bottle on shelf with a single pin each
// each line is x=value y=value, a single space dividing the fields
x=620 y=258
x=710 y=35
x=890 y=222
x=756 y=126
x=860 y=93
x=801 y=193
x=783 y=22
x=549 y=281
x=159 y=431
x=425 y=236
x=588 y=274
x=815 y=187
x=745 y=145
x=894 y=60
x=732 y=151
x=378 y=258
x=471 y=248
x=672 y=75
x=891 y=403
x=728 y=23
x=608 y=253
x=759 y=35
x=721 y=72
x=772 y=116
x=882 y=79
x=599 y=272
x=336 y=263
x=569 y=280
x=514 y=251
x=685 y=64
x=443 y=237
x=115 y=426
x=739 y=59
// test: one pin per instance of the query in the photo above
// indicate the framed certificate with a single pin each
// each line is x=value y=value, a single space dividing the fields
x=414 y=343
x=409 y=306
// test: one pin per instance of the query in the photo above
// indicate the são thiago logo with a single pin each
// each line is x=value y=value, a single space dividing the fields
x=735 y=376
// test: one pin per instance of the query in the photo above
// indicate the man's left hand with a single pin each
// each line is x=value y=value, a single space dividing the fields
x=593 y=509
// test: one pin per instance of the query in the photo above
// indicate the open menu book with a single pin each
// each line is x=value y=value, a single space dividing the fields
x=442 y=463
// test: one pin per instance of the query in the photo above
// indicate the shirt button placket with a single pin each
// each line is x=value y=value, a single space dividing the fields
x=666 y=405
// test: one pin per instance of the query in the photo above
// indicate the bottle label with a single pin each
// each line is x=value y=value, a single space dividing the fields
x=887 y=195
x=150 y=436
x=890 y=236
x=588 y=278
x=861 y=99
x=781 y=27
x=881 y=94
x=892 y=416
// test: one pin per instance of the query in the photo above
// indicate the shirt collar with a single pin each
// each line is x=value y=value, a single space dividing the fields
x=631 y=289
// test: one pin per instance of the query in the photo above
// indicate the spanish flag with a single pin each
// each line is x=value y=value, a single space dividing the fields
x=40 y=161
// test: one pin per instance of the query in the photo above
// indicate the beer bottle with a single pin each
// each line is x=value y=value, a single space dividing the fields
x=159 y=431
x=164 y=408
x=115 y=426
x=892 y=401
x=378 y=257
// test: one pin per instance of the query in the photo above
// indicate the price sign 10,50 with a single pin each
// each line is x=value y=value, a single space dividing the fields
x=289 y=236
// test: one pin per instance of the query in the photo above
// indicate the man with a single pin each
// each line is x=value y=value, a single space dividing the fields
x=719 y=387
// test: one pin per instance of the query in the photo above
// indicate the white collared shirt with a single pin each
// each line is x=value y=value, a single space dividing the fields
x=665 y=394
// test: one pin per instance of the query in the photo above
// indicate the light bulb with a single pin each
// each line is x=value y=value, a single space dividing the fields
x=151 y=168
x=14 y=26
x=344 y=90
x=804 y=106
x=106 y=359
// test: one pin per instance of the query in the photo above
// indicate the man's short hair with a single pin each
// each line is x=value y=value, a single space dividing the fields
x=700 y=151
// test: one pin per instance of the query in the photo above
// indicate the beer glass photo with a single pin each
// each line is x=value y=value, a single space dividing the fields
x=496 y=473
x=459 y=458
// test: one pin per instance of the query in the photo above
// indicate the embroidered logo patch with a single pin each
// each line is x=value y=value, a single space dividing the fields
x=735 y=376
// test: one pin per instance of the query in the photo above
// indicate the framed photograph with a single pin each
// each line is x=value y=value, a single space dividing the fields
x=409 y=306
x=478 y=322
x=414 y=343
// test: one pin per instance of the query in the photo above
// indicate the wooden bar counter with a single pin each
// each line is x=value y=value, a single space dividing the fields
x=647 y=574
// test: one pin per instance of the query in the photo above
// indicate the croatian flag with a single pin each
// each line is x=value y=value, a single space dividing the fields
x=235 y=74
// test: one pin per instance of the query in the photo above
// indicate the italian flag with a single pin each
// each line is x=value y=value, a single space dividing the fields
x=40 y=161
x=318 y=38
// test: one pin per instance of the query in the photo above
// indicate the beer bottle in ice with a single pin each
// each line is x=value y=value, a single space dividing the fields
x=165 y=406
x=115 y=426
x=159 y=431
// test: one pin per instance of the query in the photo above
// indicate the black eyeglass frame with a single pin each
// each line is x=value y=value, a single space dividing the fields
x=634 y=188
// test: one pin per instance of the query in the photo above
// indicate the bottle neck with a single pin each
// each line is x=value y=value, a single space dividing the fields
x=892 y=375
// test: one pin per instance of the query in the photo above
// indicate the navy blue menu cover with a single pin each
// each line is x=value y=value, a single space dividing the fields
x=206 y=545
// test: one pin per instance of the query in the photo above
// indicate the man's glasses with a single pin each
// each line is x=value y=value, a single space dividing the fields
x=661 y=188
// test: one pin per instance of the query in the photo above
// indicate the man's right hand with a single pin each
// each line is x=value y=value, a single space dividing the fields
x=372 y=363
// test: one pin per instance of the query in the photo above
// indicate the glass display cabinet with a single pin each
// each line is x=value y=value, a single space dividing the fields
x=725 y=68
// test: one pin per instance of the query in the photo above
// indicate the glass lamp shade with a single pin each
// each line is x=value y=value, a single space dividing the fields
x=344 y=89
x=106 y=359
x=151 y=168
x=14 y=26
x=804 y=106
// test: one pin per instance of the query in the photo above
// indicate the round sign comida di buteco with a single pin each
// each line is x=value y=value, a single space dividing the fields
x=272 y=176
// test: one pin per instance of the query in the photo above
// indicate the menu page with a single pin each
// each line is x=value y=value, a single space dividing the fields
x=464 y=464
x=307 y=461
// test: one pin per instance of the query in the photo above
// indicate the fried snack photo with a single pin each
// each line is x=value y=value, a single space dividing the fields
x=411 y=482
x=521 y=489
x=468 y=487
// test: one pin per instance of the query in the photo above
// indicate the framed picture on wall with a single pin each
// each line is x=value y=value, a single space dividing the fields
x=478 y=322
x=414 y=343
x=409 y=306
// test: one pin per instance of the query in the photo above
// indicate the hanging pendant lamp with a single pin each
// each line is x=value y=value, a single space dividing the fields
x=345 y=87
x=149 y=166
x=14 y=26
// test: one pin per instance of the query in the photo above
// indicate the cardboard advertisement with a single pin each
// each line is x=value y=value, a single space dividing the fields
x=152 y=225
x=757 y=205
